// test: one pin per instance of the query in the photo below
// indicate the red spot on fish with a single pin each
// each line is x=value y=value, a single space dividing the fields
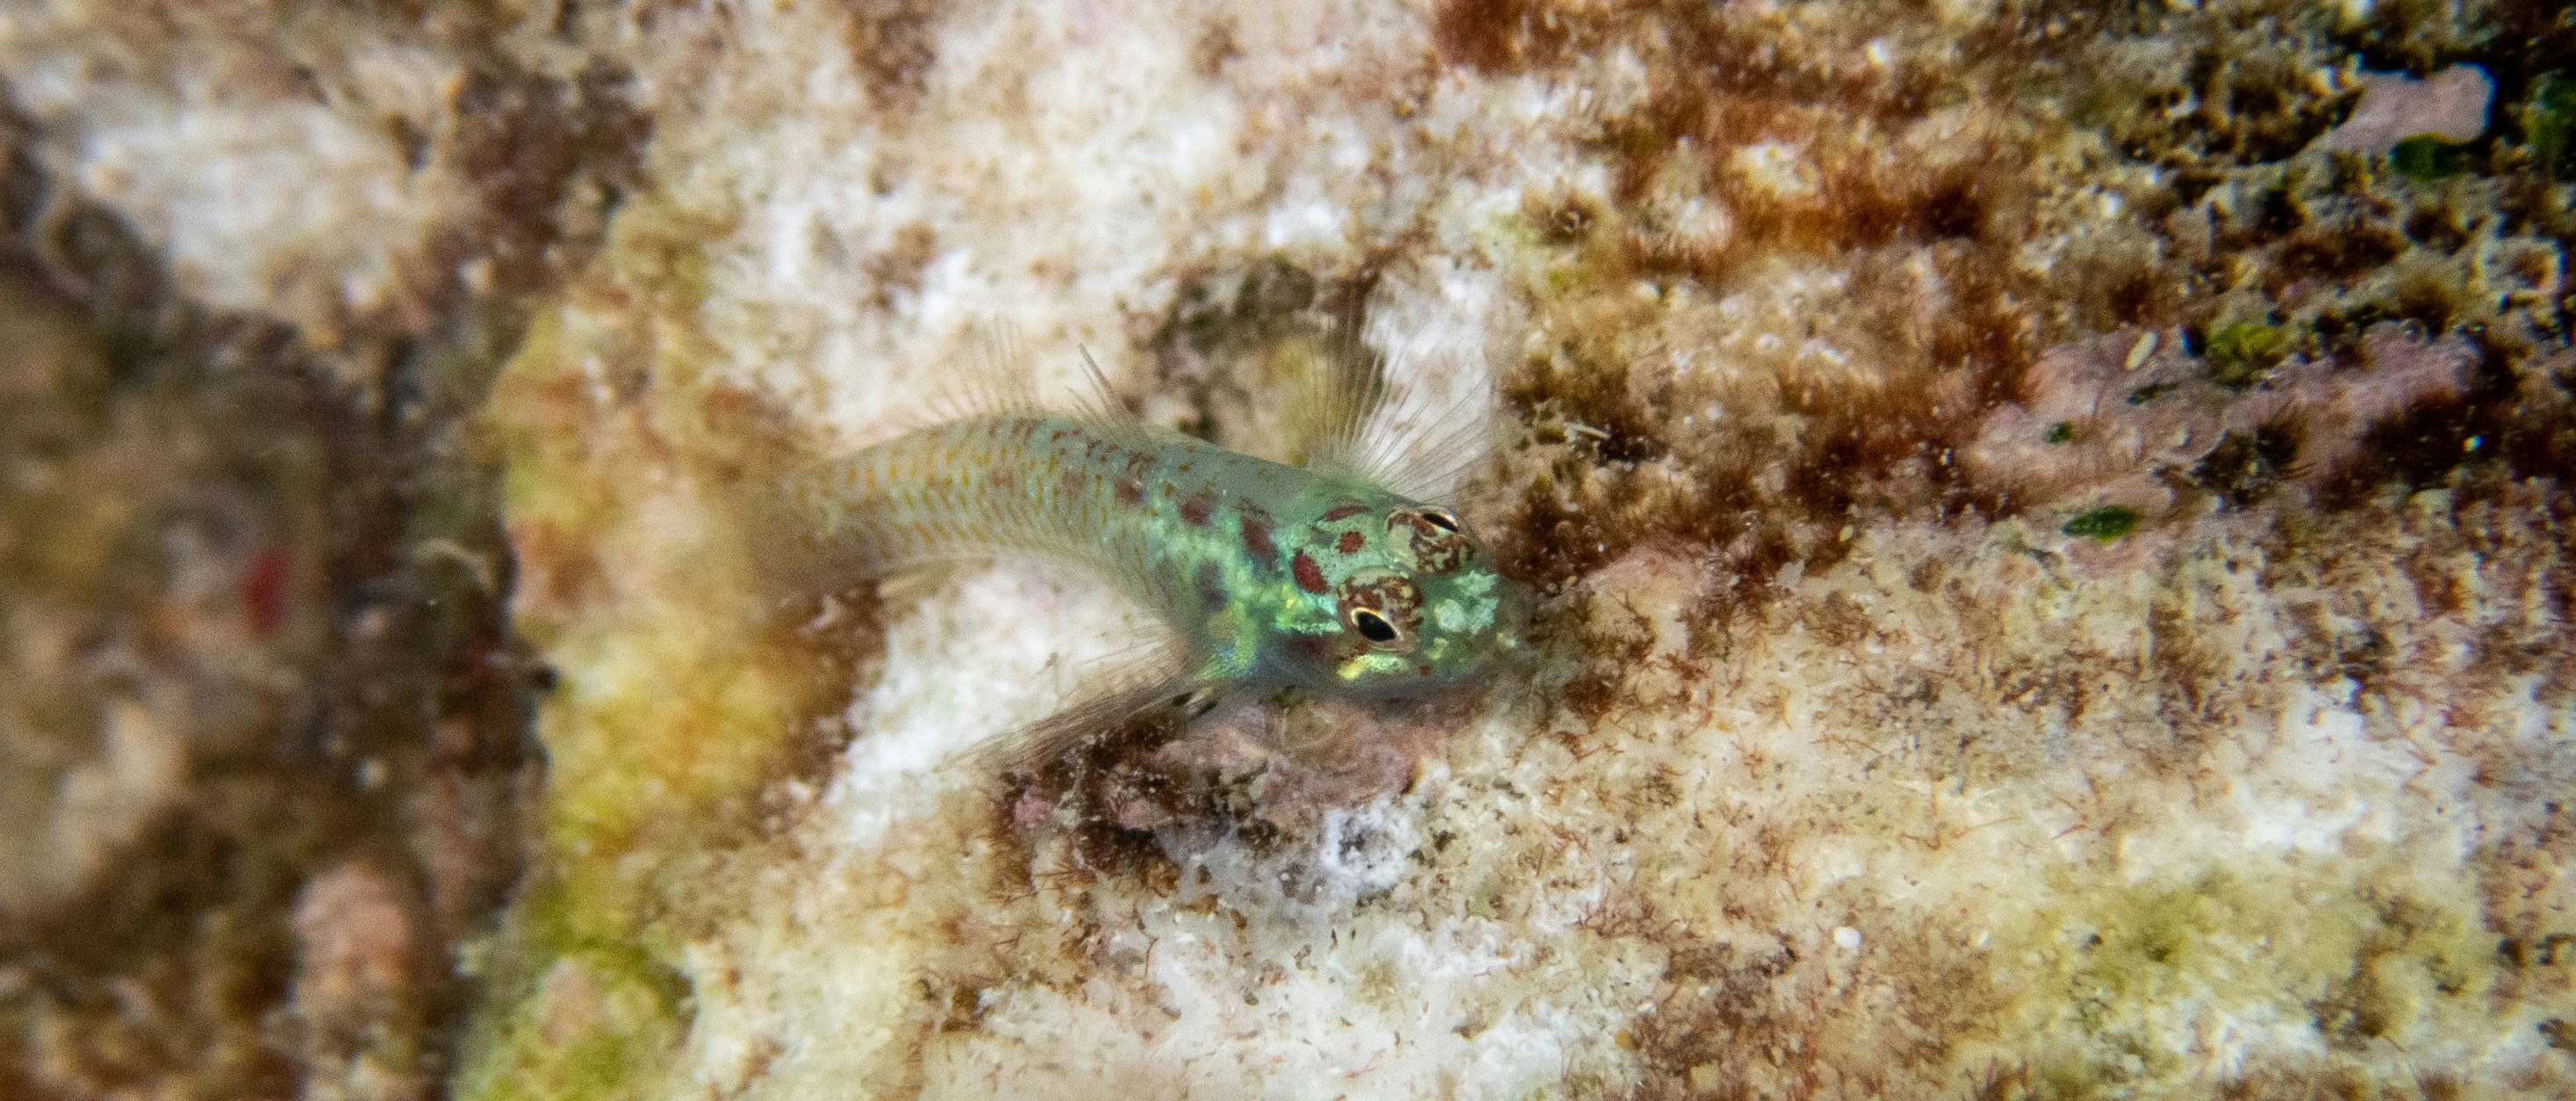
x=263 y=590
x=1198 y=509
x=1131 y=485
x=1256 y=536
x=1351 y=542
x=1310 y=576
x=1345 y=511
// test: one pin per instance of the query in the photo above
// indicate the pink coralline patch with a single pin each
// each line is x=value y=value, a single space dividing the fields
x=2111 y=448
x=1031 y=811
x=355 y=938
x=2333 y=407
x=2451 y=105
x=1323 y=756
x=2122 y=419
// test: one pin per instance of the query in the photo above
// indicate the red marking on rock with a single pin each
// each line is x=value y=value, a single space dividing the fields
x=1310 y=576
x=263 y=590
x=1345 y=512
x=1351 y=542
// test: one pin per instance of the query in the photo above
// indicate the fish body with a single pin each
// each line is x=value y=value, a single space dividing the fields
x=1272 y=576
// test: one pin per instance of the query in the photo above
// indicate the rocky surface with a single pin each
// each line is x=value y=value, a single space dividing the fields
x=2051 y=521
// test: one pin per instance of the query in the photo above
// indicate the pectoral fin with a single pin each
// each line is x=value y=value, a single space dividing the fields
x=1131 y=702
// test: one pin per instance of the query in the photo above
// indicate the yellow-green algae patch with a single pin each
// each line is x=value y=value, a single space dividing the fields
x=682 y=687
x=2148 y=986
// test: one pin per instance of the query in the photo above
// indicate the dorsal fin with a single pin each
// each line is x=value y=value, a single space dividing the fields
x=1001 y=377
x=1330 y=402
x=1368 y=425
x=1099 y=400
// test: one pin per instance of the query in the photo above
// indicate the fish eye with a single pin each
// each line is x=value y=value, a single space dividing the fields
x=1372 y=626
x=1440 y=518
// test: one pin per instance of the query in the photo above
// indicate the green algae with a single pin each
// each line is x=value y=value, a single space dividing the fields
x=587 y=1032
x=2428 y=157
x=681 y=695
x=2106 y=524
x=2324 y=943
x=2240 y=355
x=2149 y=392
x=2549 y=122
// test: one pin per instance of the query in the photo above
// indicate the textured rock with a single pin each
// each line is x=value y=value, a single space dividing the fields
x=2450 y=105
x=1855 y=765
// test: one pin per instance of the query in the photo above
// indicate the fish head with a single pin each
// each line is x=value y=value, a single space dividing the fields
x=1417 y=603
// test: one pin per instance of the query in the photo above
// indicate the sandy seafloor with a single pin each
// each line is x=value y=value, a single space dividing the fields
x=2052 y=525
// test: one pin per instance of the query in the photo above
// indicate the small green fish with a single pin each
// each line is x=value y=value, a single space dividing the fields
x=1272 y=577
